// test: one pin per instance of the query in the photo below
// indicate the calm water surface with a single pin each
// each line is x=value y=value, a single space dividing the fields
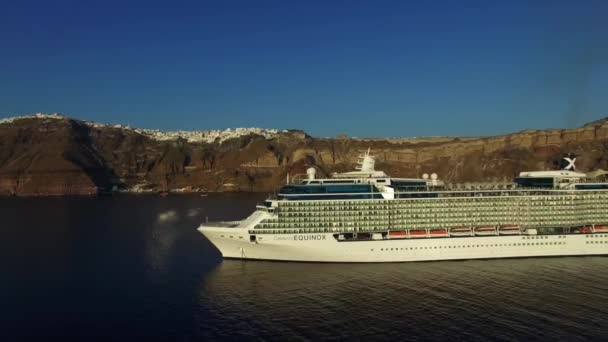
x=134 y=268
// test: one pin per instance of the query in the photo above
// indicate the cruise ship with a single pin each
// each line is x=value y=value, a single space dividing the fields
x=367 y=216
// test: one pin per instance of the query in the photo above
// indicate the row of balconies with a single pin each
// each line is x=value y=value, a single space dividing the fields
x=354 y=226
x=372 y=216
x=443 y=204
x=442 y=222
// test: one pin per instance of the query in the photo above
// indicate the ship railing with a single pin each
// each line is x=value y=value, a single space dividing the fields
x=481 y=192
x=298 y=178
x=225 y=224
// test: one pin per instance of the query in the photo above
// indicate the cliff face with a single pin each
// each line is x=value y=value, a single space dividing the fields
x=66 y=157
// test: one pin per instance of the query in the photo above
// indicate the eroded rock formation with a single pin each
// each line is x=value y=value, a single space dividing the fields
x=70 y=157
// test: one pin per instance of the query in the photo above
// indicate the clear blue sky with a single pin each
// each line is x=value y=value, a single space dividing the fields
x=364 y=68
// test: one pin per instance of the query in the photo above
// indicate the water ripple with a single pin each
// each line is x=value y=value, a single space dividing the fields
x=533 y=299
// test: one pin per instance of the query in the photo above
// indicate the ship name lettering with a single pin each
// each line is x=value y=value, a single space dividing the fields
x=309 y=237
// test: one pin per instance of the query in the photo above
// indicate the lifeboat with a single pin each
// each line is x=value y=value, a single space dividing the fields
x=460 y=231
x=600 y=229
x=439 y=232
x=417 y=233
x=509 y=230
x=586 y=230
x=397 y=235
x=485 y=230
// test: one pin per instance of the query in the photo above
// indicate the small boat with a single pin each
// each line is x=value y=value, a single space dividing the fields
x=460 y=231
x=397 y=235
x=600 y=229
x=163 y=194
x=486 y=230
x=586 y=230
x=204 y=195
x=441 y=232
x=509 y=230
x=417 y=233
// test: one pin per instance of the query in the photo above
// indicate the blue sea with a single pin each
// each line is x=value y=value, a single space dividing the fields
x=134 y=268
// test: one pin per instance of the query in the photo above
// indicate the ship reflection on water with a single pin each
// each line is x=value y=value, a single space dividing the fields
x=479 y=299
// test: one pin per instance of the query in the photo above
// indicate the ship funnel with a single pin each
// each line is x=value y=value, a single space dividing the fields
x=568 y=163
x=311 y=172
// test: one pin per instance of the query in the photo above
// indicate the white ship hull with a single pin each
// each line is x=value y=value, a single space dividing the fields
x=323 y=247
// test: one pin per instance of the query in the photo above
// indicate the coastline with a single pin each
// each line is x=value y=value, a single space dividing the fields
x=50 y=155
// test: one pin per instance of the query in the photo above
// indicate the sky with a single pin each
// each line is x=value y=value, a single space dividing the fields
x=361 y=68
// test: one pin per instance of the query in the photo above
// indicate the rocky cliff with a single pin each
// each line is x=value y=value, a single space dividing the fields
x=64 y=156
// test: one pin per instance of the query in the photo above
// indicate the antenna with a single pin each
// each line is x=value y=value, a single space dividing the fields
x=366 y=162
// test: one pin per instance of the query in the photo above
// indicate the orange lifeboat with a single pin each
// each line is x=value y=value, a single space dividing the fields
x=486 y=230
x=397 y=234
x=460 y=231
x=417 y=233
x=600 y=229
x=509 y=230
x=438 y=232
x=586 y=230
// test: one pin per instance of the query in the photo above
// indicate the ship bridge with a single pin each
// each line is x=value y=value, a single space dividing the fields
x=567 y=178
x=364 y=183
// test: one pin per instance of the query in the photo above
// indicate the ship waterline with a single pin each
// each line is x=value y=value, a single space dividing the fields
x=323 y=247
x=366 y=216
